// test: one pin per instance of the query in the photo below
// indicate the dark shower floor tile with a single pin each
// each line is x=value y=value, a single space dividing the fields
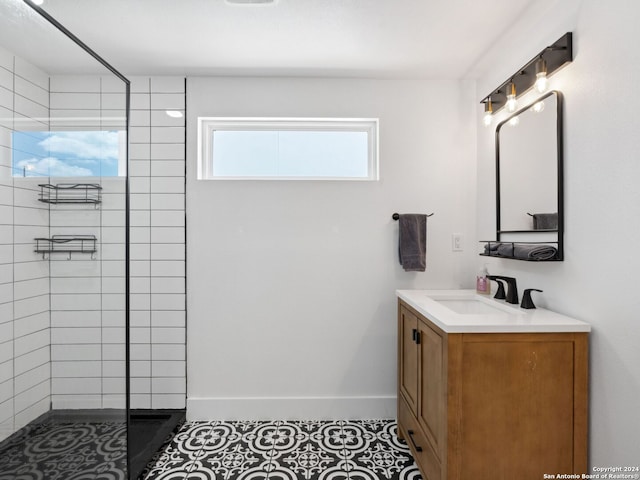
x=65 y=451
x=285 y=450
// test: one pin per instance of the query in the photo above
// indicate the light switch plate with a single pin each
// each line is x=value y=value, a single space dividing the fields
x=456 y=242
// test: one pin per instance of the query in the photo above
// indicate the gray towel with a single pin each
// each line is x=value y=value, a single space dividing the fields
x=412 y=242
x=491 y=248
x=505 y=250
x=535 y=252
x=545 y=221
x=529 y=252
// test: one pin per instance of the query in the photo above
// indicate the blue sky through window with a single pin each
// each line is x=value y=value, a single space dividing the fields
x=68 y=153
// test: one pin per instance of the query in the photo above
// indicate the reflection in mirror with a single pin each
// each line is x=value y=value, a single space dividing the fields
x=529 y=169
x=529 y=178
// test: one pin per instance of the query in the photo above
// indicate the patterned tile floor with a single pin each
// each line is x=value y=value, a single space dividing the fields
x=285 y=450
x=65 y=451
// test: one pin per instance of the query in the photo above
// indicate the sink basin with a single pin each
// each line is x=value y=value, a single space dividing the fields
x=474 y=306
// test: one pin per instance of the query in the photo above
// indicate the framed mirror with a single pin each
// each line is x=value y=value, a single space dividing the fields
x=529 y=179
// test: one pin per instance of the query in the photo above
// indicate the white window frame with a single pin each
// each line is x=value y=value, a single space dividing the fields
x=208 y=125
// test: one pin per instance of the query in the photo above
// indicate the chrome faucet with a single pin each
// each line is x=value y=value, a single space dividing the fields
x=512 y=289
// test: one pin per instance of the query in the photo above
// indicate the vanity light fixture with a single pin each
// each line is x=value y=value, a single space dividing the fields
x=488 y=112
x=534 y=74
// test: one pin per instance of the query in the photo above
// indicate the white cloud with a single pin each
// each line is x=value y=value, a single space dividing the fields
x=86 y=145
x=51 y=166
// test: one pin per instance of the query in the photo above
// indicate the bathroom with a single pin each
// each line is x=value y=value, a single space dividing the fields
x=286 y=294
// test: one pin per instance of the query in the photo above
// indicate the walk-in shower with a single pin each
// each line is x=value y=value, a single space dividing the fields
x=66 y=407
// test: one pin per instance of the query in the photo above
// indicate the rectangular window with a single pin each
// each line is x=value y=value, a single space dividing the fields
x=287 y=148
x=80 y=153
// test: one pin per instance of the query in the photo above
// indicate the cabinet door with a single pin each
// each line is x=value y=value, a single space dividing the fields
x=431 y=407
x=517 y=406
x=408 y=357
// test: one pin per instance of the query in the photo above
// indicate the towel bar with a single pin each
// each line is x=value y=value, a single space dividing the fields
x=396 y=216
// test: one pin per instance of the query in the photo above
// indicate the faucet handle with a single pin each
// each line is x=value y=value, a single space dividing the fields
x=500 y=295
x=526 y=298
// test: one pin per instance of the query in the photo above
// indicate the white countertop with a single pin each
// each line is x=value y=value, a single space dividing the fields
x=492 y=316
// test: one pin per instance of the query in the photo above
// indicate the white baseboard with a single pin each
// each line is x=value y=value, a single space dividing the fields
x=291 y=408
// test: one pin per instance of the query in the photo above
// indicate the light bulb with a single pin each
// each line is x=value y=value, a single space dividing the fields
x=488 y=113
x=538 y=106
x=514 y=121
x=512 y=103
x=542 y=82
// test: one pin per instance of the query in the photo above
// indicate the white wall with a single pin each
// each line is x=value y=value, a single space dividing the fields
x=597 y=281
x=291 y=299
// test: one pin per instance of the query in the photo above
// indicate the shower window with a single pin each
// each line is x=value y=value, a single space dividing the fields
x=81 y=153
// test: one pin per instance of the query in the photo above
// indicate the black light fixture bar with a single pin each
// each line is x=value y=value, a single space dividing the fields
x=556 y=55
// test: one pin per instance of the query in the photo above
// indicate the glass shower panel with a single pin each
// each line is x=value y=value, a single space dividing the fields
x=63 y=250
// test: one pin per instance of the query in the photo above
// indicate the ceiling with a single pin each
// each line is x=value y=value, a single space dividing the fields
x=355 y=38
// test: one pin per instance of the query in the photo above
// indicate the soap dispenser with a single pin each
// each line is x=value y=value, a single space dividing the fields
x=483 y=285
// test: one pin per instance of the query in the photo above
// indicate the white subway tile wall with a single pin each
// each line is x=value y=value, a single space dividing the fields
x=88 y=291
x=157 y=181
x=87 y=296
x=24 y=276
x=62 y=320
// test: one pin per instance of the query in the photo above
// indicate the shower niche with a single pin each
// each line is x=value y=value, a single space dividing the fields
x=67 y=379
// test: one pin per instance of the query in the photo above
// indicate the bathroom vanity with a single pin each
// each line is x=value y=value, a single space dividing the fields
x=490 y=390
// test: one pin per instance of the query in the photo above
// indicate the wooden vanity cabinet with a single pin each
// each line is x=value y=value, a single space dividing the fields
x=491 y=405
